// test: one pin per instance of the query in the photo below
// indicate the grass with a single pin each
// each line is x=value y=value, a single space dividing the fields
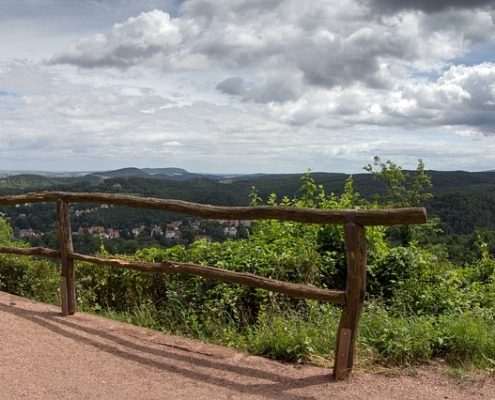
x=467 y=337
x=466 y=341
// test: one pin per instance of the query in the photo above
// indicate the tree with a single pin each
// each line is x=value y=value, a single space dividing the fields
x=5 y=232
x=404 y=189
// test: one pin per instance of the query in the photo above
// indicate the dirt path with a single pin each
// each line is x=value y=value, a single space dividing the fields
x=45 y=356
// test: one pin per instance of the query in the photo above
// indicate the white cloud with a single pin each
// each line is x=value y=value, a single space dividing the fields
x=327 y=44
x=463 y=96
x=256 y=85
x=142 y=38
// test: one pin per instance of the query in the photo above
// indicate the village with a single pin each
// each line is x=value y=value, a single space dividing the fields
x=175 y=231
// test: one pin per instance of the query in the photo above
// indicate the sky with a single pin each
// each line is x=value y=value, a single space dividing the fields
x=246 y=86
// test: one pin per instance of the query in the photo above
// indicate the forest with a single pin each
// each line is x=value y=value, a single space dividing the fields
x=462 y=202
x=430 y=291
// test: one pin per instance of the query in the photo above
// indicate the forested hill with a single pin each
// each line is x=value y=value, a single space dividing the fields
x=464 y=201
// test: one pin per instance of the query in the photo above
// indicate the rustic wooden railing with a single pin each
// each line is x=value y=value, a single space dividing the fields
x=354 y=222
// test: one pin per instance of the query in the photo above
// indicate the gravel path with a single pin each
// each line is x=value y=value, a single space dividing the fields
x=45 y=356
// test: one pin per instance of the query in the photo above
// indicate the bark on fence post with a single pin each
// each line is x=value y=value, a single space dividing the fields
x=67 y=275
x=355 y=240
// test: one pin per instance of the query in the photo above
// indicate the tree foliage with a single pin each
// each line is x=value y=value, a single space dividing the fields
x=404 y=189
x=5 y=232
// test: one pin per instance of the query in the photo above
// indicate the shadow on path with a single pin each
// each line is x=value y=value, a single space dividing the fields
x=168 y=360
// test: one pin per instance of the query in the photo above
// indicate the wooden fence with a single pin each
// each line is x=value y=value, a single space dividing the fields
x=354 y=222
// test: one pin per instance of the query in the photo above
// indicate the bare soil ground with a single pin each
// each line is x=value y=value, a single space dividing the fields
x=46 y=356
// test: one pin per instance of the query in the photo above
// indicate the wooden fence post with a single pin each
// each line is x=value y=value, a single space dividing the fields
x=67 y=275
x=355 y=240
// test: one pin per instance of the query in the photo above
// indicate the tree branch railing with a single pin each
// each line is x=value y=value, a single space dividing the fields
x=354 y=222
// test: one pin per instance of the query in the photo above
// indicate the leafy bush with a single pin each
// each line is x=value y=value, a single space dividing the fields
x=468 y=337
x=29 y=277
x=295 y=336
x=32 y=278
x=5 y=232
x=416 y=281
x=397 y=339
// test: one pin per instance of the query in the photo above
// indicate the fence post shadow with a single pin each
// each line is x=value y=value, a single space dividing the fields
x=191 y=365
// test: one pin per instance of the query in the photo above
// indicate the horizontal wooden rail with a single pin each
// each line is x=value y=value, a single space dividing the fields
x=244 y=278
x=172 y=267
x=308 y=215
x=30 y=251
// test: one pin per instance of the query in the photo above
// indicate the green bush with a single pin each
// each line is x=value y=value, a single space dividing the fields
x=36 y=279
x=5 y=233
x=414 y=281
x=295 y=336
x=30 y=277
x=397 y=340
x=468 y=338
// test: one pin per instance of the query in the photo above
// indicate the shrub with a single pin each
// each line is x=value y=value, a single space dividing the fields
x=398 y=340
x=468 y=337
x=295 y=336
x=33 y=278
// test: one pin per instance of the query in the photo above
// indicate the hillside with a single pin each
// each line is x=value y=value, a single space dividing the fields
x=463 y=201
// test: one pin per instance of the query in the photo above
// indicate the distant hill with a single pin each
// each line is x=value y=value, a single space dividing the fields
x=130 y=171
x=48 y=174
x=464 y=201
x=22 y=181
x=282 y=184
x=172 y=173
x=444 y=181
x=179 y=174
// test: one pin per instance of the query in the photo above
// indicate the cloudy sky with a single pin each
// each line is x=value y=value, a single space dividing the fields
x=247 y=86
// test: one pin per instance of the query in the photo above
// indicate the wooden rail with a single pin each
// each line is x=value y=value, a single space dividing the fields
x=308 y=215
x=354 y=222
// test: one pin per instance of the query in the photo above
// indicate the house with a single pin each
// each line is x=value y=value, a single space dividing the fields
x=111 y=233
x=96 y=230
x=27 y=233
x=136 y=231
x=173 y=235
x=78 y=213
x=174 y=225
x=156 y=231
x=230 y=231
